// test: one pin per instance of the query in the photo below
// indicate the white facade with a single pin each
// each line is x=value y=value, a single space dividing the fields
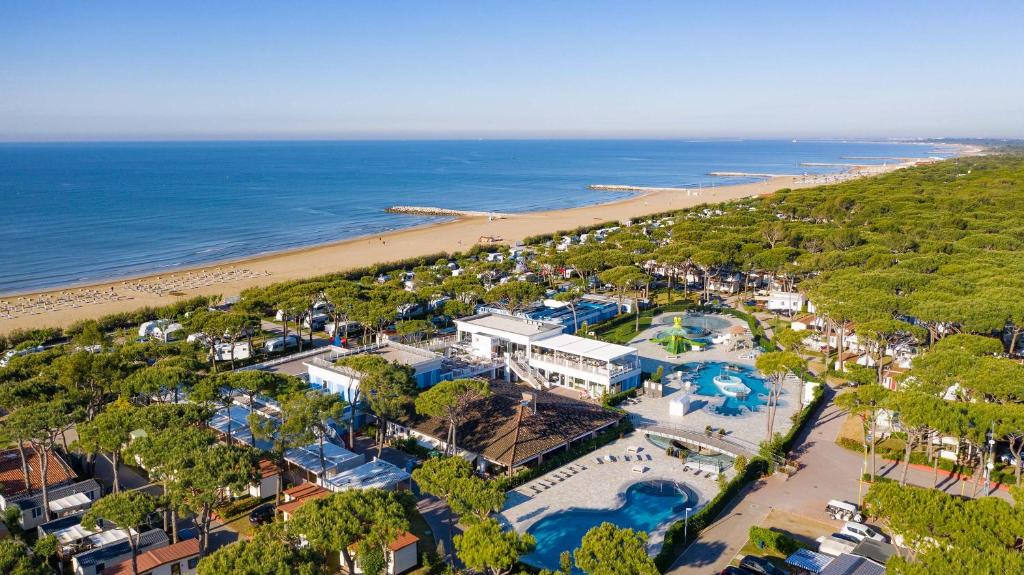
x=552 y=357
x=785 y=301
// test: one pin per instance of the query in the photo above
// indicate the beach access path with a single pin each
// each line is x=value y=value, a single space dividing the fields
x=61 y=307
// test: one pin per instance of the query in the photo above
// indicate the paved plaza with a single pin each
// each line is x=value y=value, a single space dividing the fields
x=601 y=486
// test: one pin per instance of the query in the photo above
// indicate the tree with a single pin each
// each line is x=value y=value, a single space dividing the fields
x=945 y=534
x=624 y=278
x=316 y=410
x=388 y=388
x=109 y=432
x=775 y=366
x=449 y=400
x=270 y=551
x=15 y=559
x=367 y=519
x=484 y=547
x=129 y=511
x=41 y=424
x=515 y=296
x=608 y=550
x=441 y=477
x=866 y=402
x=285 y=431
x=168 y=456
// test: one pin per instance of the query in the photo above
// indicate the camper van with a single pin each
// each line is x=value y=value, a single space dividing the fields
x=281 y=343
x=843 y=511
x=317 y=322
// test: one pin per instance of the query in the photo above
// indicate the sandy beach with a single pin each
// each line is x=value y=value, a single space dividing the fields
x=63 y=306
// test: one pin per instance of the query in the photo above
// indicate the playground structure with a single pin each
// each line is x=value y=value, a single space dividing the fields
x=677 y=339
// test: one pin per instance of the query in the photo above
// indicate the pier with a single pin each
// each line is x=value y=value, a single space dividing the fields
x=432 y=211
x=750 y=175
x=624 y=188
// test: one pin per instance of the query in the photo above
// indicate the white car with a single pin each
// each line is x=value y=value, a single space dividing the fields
x=860 y=532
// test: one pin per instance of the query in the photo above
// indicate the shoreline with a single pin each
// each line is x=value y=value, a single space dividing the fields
x=61 y=306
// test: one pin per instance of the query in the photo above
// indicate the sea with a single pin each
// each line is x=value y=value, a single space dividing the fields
x=77 y=213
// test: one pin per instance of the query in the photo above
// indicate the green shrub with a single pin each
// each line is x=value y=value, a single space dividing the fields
x=774 y=540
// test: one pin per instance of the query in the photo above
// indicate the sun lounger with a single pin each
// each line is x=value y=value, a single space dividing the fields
x=625 y=458
x=599 y=461
x=639 y=469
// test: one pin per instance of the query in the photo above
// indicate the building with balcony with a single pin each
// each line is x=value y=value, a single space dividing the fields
x=542 y=356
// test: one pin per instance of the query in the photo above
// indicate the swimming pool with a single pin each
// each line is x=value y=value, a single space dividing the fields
x=711 y=323
x=646 y=506
x=703 y=376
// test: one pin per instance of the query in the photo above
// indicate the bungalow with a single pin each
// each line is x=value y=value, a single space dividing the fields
x=270 y=480
x=178 y=559
x=64 y=500
x=94 y=561
x=377 y=474
x=13 y=483
x=305 y=461
x=403 y=555
x=784 y=301
x=806 y=322
x=294 y=497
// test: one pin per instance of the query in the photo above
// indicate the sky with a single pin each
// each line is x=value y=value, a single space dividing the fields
x=106 y=70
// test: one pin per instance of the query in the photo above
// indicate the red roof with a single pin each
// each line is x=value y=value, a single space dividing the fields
x=268 y=469
x=404 y=540
x=299 y=494
x=156 y=557
x=12 y=480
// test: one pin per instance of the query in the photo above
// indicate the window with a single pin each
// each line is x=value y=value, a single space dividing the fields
x=176 y=568
x=193 y=562
x=100 y=566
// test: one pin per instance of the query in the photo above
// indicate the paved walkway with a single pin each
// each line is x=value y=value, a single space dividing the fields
x=827 y=471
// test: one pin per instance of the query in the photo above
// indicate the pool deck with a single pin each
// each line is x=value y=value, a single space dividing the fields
x=602 y=486
x=749 y=428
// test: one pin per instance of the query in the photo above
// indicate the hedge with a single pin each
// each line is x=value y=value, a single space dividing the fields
x=675 y=543
x=614 y=399
x=603 y=438
x=757 y=467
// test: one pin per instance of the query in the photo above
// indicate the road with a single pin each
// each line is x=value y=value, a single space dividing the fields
x=827 y=471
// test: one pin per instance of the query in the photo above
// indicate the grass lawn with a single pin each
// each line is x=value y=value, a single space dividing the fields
x=799 y=527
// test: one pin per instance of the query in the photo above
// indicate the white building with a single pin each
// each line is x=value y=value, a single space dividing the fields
x=542 y=356
x=427 y=367
x=785 y=301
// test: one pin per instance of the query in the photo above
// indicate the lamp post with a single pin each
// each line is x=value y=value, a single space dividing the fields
x=686 y=523
x=991 y=459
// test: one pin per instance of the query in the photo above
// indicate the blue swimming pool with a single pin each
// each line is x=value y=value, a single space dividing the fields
x=645 y=507
x=703 y=376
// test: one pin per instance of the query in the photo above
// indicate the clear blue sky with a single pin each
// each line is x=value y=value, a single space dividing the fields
x=309 y=69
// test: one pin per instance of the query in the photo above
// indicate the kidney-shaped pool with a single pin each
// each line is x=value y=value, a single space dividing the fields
x=646 y=506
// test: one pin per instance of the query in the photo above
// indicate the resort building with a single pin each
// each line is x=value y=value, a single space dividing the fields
x=587 y=310
x=178 y=559
x=512 y=429
x=541 y=355
x=427 y=366
x=783 y=301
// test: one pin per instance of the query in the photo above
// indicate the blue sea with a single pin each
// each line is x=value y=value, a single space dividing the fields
x=74 y=213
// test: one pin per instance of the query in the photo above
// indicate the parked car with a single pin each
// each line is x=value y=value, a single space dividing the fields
x=834 y=546
x=860 y=532
x=1009 y=459
x=843 y=511
x=733 y=570
x=760 y=565
x=262 y=514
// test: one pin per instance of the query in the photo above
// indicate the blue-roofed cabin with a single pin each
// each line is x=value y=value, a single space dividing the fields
x=94 y=561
